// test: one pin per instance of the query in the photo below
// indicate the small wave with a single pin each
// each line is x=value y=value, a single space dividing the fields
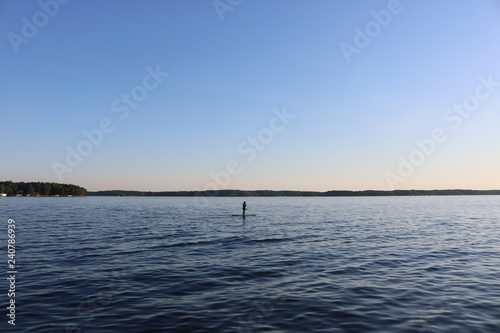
x=270 y=240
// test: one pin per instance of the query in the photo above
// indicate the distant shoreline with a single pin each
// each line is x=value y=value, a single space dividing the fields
x=272 y=193
x=41 y=189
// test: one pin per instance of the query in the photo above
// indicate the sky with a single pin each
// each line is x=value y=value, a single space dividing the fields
x=285 y=94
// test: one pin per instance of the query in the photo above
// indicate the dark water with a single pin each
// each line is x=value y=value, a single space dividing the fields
x=404 y=264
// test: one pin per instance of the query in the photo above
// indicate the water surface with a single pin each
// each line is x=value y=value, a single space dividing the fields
x=354 y=264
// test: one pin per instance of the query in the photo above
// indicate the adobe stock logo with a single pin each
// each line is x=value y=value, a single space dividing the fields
x=363 y=37
x=248 y=149
x=122 y=107
x=454 y=118
x=30 y=28
x=223 y=6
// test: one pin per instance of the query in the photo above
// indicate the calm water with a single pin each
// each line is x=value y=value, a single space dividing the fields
x=404 y=264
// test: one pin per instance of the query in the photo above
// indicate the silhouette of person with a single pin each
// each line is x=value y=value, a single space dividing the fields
x=244 y=207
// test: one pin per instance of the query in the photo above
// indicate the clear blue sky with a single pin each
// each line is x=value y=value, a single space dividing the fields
x=231 y=69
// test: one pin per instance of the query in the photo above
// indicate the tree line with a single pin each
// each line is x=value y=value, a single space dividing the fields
x=40 y=189
x=269 y=193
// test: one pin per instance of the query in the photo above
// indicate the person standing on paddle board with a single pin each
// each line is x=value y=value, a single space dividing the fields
x=244 y=207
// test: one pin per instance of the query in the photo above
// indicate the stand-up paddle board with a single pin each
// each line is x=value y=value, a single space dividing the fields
x=245 y=215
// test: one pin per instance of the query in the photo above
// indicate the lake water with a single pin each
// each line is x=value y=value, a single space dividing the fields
x=353 y=264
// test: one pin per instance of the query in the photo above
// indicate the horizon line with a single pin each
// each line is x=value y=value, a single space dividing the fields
x=290 y=190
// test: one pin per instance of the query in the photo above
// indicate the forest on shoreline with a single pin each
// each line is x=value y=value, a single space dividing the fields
x=40 y=189
x=269 y=193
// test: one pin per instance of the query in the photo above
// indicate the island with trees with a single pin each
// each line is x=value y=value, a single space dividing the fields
x=40 y=189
